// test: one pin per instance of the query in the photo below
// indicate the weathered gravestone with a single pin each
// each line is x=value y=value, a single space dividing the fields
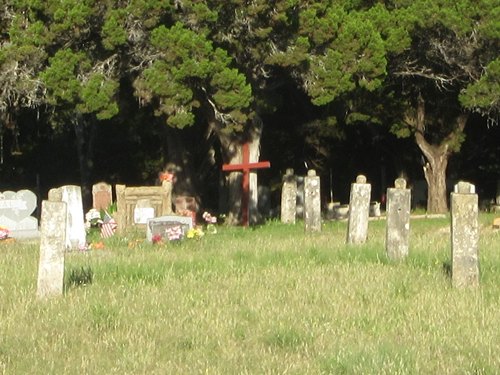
x=464 y=236
x=312 y=202
x=359 y=208
x=15 y=213
x=52 y=248
x=160 y=199
x=164 y=227
x=76 y=236
x=398 y=220
x=102 y=196
x=289 y=198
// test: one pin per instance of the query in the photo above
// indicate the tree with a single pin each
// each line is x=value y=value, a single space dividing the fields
x=443 y=67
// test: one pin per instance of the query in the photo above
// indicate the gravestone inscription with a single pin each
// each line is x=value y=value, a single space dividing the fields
x=15 y=213
x=162 y=227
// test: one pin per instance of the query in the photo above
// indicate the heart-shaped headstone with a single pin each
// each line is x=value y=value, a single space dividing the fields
x=17 y=206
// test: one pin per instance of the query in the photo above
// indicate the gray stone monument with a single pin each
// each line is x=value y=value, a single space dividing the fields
x=464 y=236
x=359 y=209
x=52 y=248
x=289 y=198
x=312 y=202
x=15 y=213
x=398 y=220
x=75 y=222
x=159 y=226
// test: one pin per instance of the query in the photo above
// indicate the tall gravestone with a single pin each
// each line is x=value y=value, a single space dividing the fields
x=464 y=236
x=359 y=210
x=312 y=202
x=15 y=213
x=75 y=223
x=289 y=198
x=52 y=248
x=398 y=220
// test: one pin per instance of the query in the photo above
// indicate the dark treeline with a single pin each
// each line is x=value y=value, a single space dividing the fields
x=118 y=91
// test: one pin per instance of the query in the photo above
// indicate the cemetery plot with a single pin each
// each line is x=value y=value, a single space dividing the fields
x=16 y=209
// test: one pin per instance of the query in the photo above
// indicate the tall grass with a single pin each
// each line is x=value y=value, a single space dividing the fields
x=268 y=300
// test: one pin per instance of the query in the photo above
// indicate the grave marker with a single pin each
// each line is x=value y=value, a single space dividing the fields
x=359 y=209
x=398 y=220
x=76 y=236
x=312 y=202
x=102 y=196
x=15 y=213
x=160 y=199
x=289 y=198
x=464 y=236
x=160 y=226
x=245 y=167
x=52 y=248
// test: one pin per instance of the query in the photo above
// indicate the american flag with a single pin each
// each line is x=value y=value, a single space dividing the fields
x=174 y=232
x=108 y=228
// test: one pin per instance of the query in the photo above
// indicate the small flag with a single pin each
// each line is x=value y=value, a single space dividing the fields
x=174 y=233
x=108 y=228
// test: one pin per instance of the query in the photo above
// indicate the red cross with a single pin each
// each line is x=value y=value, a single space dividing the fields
x=245 y=168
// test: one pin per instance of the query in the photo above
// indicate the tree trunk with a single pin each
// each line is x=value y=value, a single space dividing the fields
x=437 y=157
x=435 y=175
x=232 y=154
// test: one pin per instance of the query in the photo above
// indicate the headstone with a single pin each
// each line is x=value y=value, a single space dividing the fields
x=341 y=212
x=464 y=236
x=52 y=247
x=160 y=198
x=375 y=209
x=183 y=203
x=359 y=209
x=102 y=196
x=312 y=202
x=160 y=226
x=398 y=220
x=289 y=198
x=143 y=211
x=15 y=213
x=75 y=225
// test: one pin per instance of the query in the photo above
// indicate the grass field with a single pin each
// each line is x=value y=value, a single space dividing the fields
x=267 y=300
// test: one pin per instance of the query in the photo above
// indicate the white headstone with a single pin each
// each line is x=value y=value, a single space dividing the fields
x=398 y=220
x=143 y=211
x=75 y=224
x=15 y=213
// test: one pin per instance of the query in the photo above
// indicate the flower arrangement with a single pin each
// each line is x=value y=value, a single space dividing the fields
x=4 y=233
x=211 y=221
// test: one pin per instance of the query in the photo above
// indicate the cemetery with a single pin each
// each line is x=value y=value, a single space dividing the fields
x=249 y=187
x=164 y=285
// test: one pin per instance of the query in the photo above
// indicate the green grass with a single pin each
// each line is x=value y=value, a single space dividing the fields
x=268 y=300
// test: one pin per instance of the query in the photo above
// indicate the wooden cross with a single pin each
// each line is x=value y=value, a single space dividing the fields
x=245 y=167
